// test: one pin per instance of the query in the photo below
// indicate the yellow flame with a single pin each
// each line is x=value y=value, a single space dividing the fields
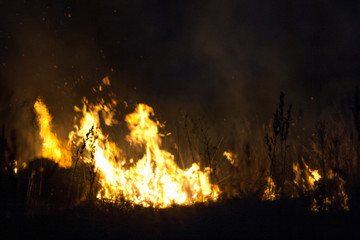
x=229 y=156
x=15 y=167
x=306 y=178
x=270 y=192
x=52 y=148
x=153 y=180
x=315 y=175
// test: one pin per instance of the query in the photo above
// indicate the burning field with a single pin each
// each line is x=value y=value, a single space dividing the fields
x=90 y=178
x=179 y=121
x=153 y=180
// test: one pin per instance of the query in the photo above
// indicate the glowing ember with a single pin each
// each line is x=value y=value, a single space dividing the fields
x=154 y=180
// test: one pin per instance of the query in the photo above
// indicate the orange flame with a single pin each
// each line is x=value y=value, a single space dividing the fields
x=52 y=148
x=271 y=192
x=306 y=178
x=154 y=180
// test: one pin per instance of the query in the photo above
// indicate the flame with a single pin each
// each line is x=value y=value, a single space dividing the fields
x=229 y=156
x=306 y=178
x=339 y=196
x=315 y=176
x=52 y=148
x=270 y=192
x=314 y=206
x=15 y=167
x=153 y=180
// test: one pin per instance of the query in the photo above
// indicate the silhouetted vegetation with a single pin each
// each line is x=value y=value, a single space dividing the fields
x=40 y=186
x=277 y=144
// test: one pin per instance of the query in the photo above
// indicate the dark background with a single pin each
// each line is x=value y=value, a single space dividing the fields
x=218 y=59
x=215 y=59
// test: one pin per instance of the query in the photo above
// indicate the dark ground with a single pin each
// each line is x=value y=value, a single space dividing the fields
x=235 y=219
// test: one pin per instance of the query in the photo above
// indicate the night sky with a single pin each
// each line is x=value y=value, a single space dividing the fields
x=215 y=58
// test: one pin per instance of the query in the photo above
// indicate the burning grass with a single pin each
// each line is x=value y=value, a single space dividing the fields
x=153 y=180
x=258 y=161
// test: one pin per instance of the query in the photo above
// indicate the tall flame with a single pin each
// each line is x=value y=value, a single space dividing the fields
x=154 y=180
x=52 y=148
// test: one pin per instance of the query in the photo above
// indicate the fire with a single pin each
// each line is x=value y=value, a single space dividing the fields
x=305 y=179
x=15 y=167
x=229 y=156
x=154 y=180
x=52 y=148
x=339 y=195
x=271 y=192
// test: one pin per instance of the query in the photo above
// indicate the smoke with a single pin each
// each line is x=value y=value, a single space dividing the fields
x=216 y=59
x=44 y=55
